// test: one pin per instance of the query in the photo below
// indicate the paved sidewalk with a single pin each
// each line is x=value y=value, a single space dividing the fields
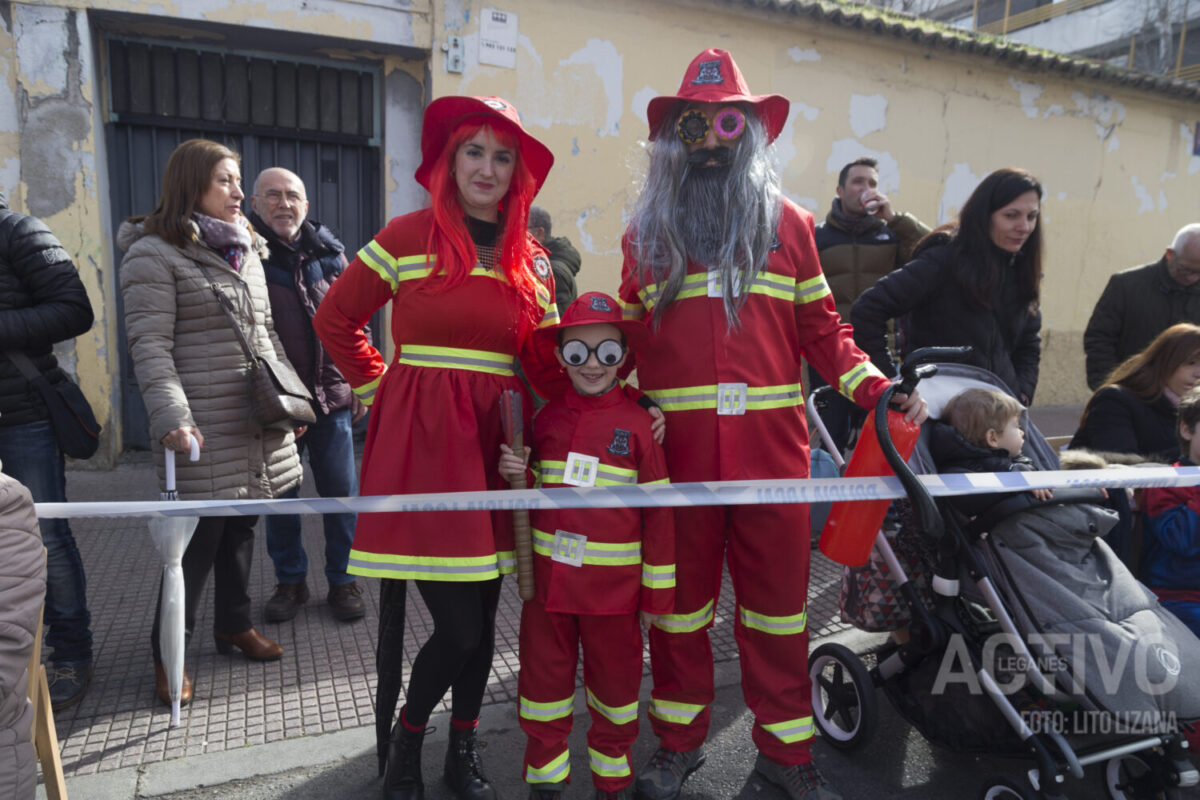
x=325 y=681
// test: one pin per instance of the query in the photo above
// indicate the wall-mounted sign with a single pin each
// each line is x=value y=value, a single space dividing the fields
x=498 y=38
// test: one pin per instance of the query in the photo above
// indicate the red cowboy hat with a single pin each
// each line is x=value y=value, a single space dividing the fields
x=445 y=114
x=713 y=77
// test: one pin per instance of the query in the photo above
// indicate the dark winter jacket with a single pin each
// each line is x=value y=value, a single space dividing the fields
x=565 y=261
x=952 y=453
x=1118 y=421
x=42 y=301
x=933 y=311
x=1137 y=305
x=854 y=258
x=298 y=276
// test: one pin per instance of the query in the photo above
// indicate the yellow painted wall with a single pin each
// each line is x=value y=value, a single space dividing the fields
x=1115 y=163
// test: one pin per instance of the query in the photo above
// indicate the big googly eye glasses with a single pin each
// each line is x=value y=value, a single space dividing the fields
x=608 y=353
x=729 y=123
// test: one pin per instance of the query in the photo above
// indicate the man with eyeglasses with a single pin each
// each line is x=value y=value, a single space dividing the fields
x=305 y=259
x=1142 y=302
x=725 y=269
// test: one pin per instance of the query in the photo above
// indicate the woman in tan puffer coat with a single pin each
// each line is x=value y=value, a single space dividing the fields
x=193 y=374
x=22 y=588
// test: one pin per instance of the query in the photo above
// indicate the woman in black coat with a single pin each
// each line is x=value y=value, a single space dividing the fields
x=974 y=282
x=1134 y=411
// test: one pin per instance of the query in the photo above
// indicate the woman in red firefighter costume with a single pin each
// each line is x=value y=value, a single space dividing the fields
x=468 y=288
x=597 y=570
x=724 y=269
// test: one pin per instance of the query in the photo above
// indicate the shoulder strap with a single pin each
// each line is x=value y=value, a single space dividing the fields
x=227 y=306
x=24 y=364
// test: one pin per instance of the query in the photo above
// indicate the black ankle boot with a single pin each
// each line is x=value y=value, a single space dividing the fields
x=464 y=768
x=402 y=778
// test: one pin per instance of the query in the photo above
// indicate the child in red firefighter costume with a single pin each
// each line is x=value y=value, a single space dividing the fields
x=468 y=287
x=596 y=570
x=725 y=270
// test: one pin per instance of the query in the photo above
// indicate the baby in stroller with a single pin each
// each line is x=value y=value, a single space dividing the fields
x=1033 y=630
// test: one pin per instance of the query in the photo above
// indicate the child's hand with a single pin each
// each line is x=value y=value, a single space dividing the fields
x=1042 y=494
x=512 y=467
x=658 y=428
x=648 y=619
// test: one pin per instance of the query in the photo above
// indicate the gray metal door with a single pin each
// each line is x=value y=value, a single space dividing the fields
x=319 y=120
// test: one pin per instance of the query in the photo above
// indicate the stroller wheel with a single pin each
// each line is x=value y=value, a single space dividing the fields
x=1007 y=789
x=1133 y=777
x=843 y=696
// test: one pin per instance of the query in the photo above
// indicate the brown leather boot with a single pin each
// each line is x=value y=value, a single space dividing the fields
x=164 y=692
x=256 y=646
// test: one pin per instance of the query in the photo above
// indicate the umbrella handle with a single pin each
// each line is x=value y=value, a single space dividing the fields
x=169 y=460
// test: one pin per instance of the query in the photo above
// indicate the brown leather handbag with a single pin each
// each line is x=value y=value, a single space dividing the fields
x=278 y=398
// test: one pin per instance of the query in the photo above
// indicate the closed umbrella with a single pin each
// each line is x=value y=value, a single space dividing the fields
x=171 y=536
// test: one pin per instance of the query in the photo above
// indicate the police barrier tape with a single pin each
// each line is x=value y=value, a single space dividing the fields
x=711 y=493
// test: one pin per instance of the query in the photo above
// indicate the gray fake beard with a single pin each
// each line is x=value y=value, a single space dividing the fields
x=703 y=216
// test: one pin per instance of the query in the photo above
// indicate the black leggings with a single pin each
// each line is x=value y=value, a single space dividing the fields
x=458 y=656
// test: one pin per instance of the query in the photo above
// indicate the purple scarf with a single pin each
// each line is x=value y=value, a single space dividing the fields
x=231 y=239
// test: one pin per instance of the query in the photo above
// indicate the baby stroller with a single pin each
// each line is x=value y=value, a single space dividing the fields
x=1034 y=641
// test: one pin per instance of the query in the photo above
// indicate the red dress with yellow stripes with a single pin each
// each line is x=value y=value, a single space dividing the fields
x=435 y=424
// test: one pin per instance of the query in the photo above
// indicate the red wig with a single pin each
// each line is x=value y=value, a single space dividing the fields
x=449 y=239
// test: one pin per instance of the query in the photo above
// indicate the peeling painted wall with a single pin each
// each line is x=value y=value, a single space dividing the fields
x=52 y=152
x=1116 y=164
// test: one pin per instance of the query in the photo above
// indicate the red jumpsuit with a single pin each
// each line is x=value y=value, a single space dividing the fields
x=436 y=426
x=594 y=570
x=734 y=403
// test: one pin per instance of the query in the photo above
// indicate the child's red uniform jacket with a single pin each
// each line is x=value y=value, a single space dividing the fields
x=601 y=560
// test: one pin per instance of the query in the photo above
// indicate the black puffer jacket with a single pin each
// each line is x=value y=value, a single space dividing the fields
x=933 y=311
x=42 y=301
x=1118 y=421
x=952 y=453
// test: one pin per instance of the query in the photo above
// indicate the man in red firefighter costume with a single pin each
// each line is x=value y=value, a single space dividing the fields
x=724 y=269
x=596 y=570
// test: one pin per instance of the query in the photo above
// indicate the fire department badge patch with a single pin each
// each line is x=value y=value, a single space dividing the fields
x=620 y=442
x=600 y=304
x=709 y=72
x=541 y=265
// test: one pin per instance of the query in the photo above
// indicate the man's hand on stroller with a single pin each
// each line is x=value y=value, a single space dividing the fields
x=1042 y=494
x=913 y=405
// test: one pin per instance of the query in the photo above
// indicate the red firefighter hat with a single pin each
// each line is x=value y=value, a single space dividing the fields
x=445 y=114
x=592 y=308
x=713 y=77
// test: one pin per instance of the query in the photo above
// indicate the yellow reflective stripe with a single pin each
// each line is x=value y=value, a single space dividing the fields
x=694 y=285
x=617 y=715
x=780 y=626
x=507 y=561
x=609 y=766
x=366 y=392
x=380 y=262
x=670 y=711
x=615 y=475
x=792 y=730
x=686 y=623
x=780 y=287
x=811 y=290
x=552 y=471
x=550 y=318
x=544 y=712
x=419 y=355
x=631 y=310
x=660 y=480
x=758 y=398
x=851 y=379
x=658 y=577
x=557 y=770
x=424 y=568
x=601 y=554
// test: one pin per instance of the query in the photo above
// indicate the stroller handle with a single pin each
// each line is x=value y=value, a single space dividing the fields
x=916 y=367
